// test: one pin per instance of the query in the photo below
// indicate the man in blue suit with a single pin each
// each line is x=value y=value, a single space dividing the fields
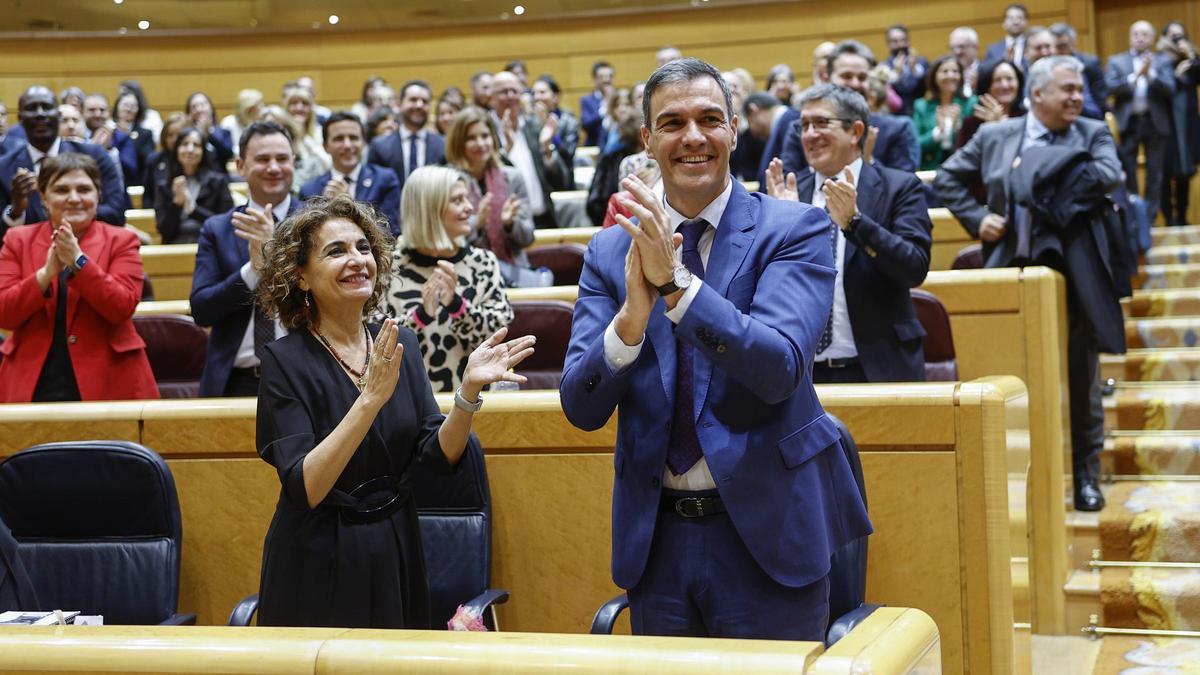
x=731 y=489
x=592 y=105
x=1012 y=45
x=770 y=122
x=895 y=146
x=376 y=185
x=20 y=202
x=229 y=258
x=881 y=245
x=412 y=146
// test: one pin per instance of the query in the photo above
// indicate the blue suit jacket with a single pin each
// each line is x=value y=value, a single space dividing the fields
x=896 y=147
x=590 y=118
x=388 y=151
x=774 y=147
x=886 y=254
x=377 y=185
x=220 y=299
x=112 y=189
x=754 y=326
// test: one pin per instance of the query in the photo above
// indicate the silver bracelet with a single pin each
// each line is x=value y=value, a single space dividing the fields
x=464 y=404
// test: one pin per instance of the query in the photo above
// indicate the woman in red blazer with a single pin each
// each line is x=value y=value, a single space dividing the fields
x=68 y=288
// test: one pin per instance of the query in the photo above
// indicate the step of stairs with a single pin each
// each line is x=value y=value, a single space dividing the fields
x=1153 y=406
x=1173 y=254
x=1162 y=331
x=1151 y=453
x=1175 y=236
x=1151 y=277
x=1170 y=302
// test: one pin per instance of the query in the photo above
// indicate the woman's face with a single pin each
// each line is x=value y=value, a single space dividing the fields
x=542 y=93
x=340 y=267
x=387 y=126
x=199 y=107
x=948 y=77
x=1004 y=84
x=300 y=110
x=127 y=108
x=457 y=214
x=170 y=132
x=445 y=116
x=189 y=152
x=478 y=144
x=72 y=198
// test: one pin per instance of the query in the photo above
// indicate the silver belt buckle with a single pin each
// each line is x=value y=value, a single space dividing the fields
x=696 y=501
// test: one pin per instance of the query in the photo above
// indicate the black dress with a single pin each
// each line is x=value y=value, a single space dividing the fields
x=322 y=567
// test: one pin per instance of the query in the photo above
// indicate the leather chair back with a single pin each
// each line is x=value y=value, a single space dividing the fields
x=550 y=321
x=456 y=532
x=98 y=528
x=848 y=566
x=176 y=347
x=940 y=362
x=970 y=257
x=565 y=260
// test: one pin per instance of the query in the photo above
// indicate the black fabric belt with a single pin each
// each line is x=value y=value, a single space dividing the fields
x=837 y=363
x=253 y=371
x=692 y=507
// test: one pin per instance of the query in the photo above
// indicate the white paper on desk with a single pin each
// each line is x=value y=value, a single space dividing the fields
x=94 y=620
x=18 y=618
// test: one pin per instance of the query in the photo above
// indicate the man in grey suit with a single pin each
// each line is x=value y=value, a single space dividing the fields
x=529 y=146
x=992 y=156
x=1142 y=83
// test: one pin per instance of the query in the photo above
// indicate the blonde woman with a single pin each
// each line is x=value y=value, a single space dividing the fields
x=249 y=105
x=448 y=292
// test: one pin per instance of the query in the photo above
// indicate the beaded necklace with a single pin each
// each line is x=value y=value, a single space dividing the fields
x=360 y=376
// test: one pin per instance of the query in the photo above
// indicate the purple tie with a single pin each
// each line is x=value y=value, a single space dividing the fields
x=683 y=450
x=827 y=334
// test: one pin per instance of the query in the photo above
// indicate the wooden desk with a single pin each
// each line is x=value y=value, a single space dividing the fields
x=933 y=456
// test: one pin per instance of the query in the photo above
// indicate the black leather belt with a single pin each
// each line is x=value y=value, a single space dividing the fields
x=372 y=501
x=837 y=363
x=692 y=507
x=252 y=371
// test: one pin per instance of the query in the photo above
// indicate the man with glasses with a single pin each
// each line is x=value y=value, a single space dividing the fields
x=881 y=240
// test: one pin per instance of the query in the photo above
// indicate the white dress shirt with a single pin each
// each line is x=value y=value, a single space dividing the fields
x=406 y=135
x=1140 y=84
x=842 y=346
x=18 y=219
x=619 y=355
x=245 y=354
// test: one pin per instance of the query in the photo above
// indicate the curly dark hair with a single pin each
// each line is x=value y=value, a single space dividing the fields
x=290 y=248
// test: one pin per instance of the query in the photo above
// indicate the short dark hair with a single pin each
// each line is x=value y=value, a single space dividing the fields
x=1016 y=5
x=416 y=83
x=551 y=83
x=261 y=128
x=368 y=85
x=598 y=65
x=479 y=75
x=898 y=26
x=683 y=70
x=56 y=167
x=376 y=119
x=987 y=71
x=341 y=116
x=760 y=100
x=174 y=168
x=853 y=47
x=848 y=104
x=516 y=63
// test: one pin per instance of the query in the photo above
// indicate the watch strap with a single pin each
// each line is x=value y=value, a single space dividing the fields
x=464 y=404
x=667 y=288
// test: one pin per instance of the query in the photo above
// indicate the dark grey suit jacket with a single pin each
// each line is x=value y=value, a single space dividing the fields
x=1158 y=95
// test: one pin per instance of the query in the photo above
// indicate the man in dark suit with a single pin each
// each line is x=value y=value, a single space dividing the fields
x=229 y=259
x=20 y=202
x=377 y=185
x=412 y=146
x=1093 y=70
x=102 y=131
x=592 y=105
x=731 y=488
x=1142 y=84
x=896 y=145
x=770 y=123
x=1012 y=46
x=881 y=243
x=909 y=67
x=1055 y=88
x=528 y=146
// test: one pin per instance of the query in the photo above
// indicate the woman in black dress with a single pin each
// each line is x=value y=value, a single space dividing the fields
x=344 y=409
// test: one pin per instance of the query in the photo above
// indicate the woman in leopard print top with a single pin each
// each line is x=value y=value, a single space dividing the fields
x=447 y=291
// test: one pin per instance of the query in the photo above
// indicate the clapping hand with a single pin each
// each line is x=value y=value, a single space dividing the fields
x=652 y=234
x=992 y=227
x=869 y=146
x=493 y=361
x=383 y=370
x=255 y=227
x=179 y=193
x=440 y=288
x=989 y=109
x=335 y=187
x=509 y=125
x=508 y=212
x=841 y=199
x=546 y=135
x=66 y=245
x=24 y=184
x=779 y=187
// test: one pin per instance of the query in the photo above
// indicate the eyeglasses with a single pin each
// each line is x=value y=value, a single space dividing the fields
x=821 y=123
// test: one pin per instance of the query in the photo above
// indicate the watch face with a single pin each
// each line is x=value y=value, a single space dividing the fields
x=682 y=277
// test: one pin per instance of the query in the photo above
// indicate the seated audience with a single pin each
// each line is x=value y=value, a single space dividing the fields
x=350 y=175
x=964 y=44
x=305 y=165
x=606 y=180
x=381 y=123
x=229 y=262
x=70 y=124
x=1012 y=46
x=368 y=102
x=412 y=146
x=592 y=106
x=444 y=114
x=503 y=220
x=103 y=132
x=1002 y=95
x=527 y=145
x=128 y=116
x=454 y=95
x=345 y=406
x=545 y=106
x=881 y=241
x=150 y=119
x=20 y=199
x=1096 y=103
x=157 y=168
x=781 y=83
x=192 y=193
x=447 y=291
x=939 y=115
x=72 y=96
x=71 y=269
x=770 y=122
x=481 y=90
x=312 y=160
x=249 y=105
x=619 y=101
x=203 y=116
x=910 y=68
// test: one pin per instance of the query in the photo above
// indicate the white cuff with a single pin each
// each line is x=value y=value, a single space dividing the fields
x=681 y=307
x=249 y=276
x=617 y=354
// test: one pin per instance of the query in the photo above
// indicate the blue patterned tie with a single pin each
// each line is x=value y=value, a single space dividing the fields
x=683 y=450
x=827 y=334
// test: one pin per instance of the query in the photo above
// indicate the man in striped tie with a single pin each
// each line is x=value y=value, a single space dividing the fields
x=698 y=320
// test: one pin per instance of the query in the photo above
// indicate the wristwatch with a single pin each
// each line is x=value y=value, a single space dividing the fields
x=80 y=262
x=853 y=222
x=466 y=405
x=681 y=278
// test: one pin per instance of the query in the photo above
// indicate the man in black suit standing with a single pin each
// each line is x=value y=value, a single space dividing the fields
x=1093 y=70
x=881 y=240
x=20 y=202
x=529 y=146
x=412 y=146
x=1012 y=238
x=1012 y=47
x=1142 y=84
x=909 y=66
